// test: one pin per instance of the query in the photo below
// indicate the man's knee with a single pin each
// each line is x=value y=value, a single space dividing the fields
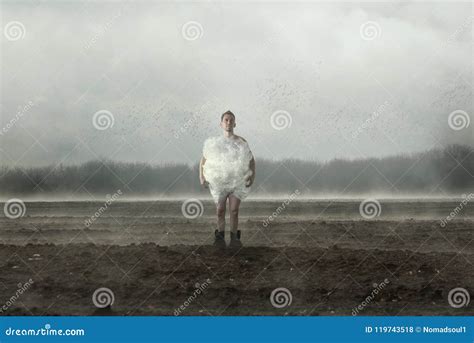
x=234 y=211
x=220 y=211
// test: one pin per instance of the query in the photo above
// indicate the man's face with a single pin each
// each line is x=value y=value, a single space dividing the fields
x=228 y=122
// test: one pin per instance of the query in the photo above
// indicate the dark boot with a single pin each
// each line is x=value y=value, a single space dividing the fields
x=219 y=239
x=235 y=242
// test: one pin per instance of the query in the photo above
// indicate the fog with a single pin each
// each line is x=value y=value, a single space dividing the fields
x=430 y=174
x=345 y=80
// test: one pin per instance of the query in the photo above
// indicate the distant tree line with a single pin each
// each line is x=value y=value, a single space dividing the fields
x=449 y=170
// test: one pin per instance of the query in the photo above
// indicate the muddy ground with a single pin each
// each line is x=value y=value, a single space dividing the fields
x=154 y=260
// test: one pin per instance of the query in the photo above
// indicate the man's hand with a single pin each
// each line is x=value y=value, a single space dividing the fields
x=250 y=178
x=249 y=181
x=204 y=182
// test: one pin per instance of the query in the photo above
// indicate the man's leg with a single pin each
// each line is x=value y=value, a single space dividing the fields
x=219 y=234
x=234 y=204
x=220 y=211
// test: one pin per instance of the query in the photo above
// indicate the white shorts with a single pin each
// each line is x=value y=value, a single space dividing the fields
x=221 y=194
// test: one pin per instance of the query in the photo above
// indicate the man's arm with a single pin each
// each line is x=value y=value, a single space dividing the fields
x=251 y=179
x=202 y=179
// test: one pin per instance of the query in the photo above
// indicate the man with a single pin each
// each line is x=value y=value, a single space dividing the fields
x=227 y=168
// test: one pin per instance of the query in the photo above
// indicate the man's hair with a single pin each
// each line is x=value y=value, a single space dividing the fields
x=229 y=113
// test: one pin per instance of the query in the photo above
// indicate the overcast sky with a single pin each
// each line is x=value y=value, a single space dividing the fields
x=306 y=80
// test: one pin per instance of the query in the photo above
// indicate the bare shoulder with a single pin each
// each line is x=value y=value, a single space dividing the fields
x=242 y=138
x=247 y=144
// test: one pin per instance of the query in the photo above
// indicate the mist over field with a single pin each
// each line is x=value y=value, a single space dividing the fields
x=335 y=100
x=313 y=81
x=434 y=173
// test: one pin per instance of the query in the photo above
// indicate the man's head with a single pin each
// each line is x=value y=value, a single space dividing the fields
x=228 y=121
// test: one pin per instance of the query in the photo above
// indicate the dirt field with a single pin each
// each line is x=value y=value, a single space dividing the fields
x=153 y=259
